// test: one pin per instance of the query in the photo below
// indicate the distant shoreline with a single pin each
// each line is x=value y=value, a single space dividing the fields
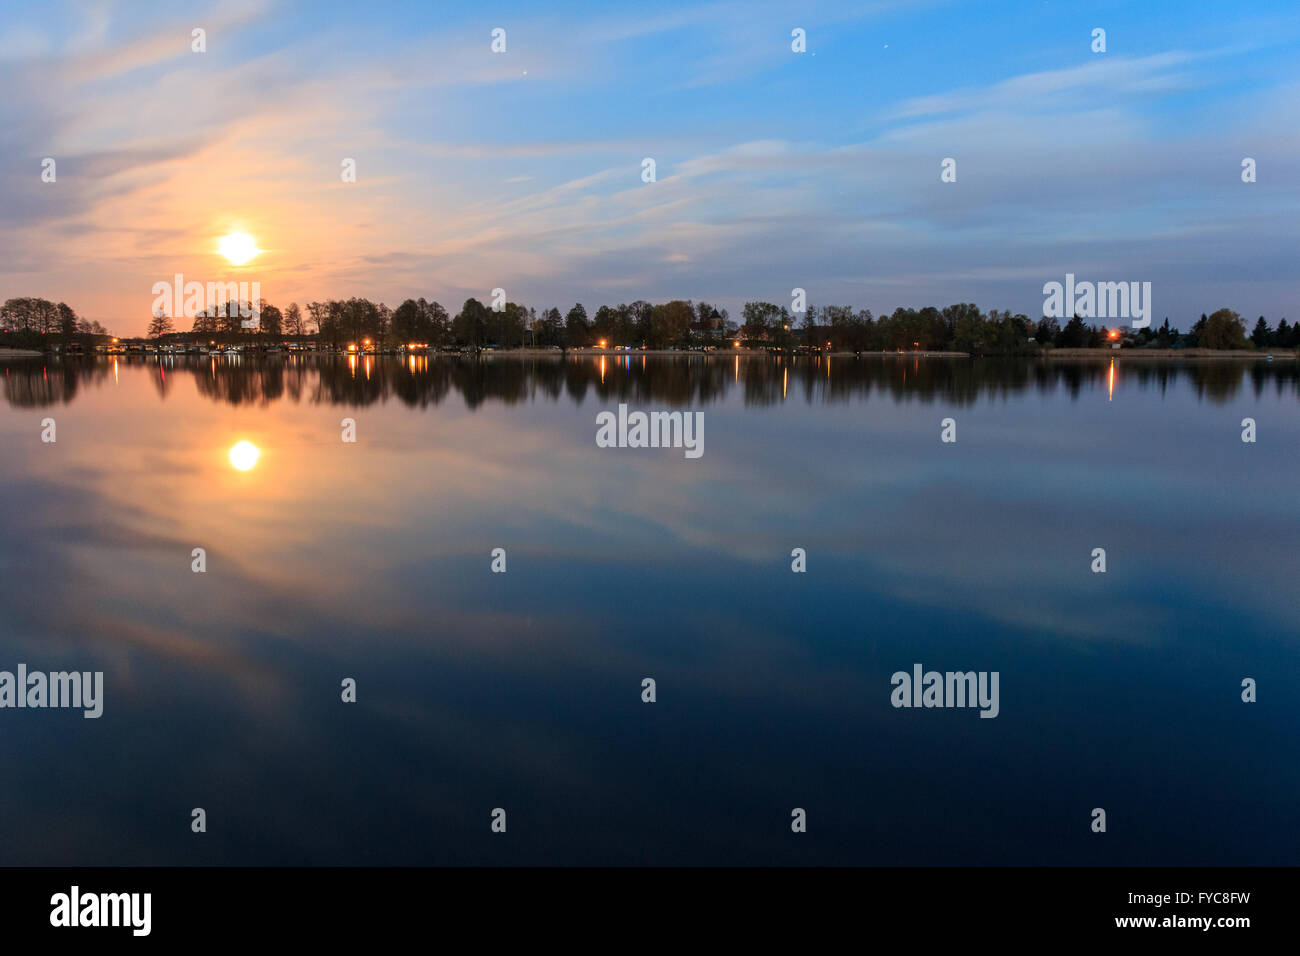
x=717 y=353
x=1145 y=355
x=1288 y=355
x=1261 y=354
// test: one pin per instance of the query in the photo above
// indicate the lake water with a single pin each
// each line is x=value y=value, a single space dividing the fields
x=477 y=690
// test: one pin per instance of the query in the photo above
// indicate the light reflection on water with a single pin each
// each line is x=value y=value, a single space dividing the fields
x=371 y=560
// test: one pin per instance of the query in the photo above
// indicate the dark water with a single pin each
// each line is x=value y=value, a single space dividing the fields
x=523 y=690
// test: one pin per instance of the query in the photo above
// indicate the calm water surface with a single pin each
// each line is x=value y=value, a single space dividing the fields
x=523 y=690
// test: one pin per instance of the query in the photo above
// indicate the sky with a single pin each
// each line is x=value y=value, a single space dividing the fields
x=775 y=170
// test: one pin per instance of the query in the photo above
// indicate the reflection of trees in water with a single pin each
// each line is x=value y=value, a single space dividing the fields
x=161 y=383
x=36 y=383
x=638 y=380
x=243 y=381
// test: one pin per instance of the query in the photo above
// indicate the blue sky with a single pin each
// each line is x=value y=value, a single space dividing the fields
x=774 y=169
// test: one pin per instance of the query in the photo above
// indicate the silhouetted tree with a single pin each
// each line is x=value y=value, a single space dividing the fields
x=577 y=330
x=1262 y=334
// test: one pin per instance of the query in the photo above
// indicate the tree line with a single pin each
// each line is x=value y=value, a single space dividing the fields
x=679 y=323
x=30 y=322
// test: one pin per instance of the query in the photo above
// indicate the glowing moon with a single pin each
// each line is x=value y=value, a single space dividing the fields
x=244 y=455
x=238 y=247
